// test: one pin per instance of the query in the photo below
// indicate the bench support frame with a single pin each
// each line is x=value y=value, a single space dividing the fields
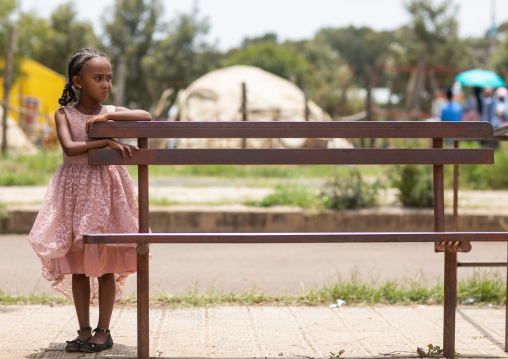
x=447 y=242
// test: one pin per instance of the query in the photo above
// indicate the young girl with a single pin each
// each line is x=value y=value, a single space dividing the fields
x=85 y=199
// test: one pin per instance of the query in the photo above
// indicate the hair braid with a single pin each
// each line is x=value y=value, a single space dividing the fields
x=74 y=67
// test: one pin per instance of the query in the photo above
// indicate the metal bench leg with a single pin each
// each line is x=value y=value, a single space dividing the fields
x=450 y=265
x=450 y=303
x=506 y=310
x=142 y=259
x=143 y=302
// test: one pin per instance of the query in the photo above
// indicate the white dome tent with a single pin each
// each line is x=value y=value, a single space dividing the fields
x=217 y=96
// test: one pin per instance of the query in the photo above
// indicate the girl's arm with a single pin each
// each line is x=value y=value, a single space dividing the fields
x=74 y=148
x=120 y=114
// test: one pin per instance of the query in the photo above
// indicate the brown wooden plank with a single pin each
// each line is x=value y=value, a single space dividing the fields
x=293 y=156
x=285 y=129
x=325 y=237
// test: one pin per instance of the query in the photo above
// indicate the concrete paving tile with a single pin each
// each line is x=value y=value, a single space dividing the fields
x=40 y=332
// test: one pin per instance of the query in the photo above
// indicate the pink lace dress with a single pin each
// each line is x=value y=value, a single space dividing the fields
x=85 y=199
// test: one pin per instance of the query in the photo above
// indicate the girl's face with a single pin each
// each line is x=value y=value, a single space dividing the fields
x=95 y=79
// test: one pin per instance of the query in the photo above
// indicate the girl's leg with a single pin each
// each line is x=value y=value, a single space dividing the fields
x=81 y=296
x=107 y=291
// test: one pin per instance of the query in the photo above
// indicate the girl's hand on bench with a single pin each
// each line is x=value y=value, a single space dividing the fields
x=122 y=147
x=98 y=118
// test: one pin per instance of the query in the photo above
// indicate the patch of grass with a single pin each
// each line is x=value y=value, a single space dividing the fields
x=415 y=185
x=290 y=195
x=485 y=289
x=195 y=298
x=350 y=191
x=246 y=171
x=481 y=177
x=346 y=190
x=161 y=202
x=32 y=299
x=29 y=170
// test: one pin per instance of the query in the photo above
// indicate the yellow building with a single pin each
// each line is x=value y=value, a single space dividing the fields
x=34 y=98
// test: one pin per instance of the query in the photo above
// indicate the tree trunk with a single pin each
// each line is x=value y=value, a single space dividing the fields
x=7 y=85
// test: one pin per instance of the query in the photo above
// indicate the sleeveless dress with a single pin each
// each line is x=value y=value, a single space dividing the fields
x=85 y=199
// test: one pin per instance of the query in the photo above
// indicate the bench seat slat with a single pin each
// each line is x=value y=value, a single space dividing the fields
x=293 y=156
x=326 y=237
x=288 y=129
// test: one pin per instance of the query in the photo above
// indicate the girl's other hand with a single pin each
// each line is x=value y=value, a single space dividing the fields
x=122 y=147
x=98 y=118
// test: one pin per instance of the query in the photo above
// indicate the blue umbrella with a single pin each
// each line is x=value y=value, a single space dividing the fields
x=480 y=78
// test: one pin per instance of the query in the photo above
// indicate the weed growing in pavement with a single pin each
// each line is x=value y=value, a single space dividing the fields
x=336 y=355
x=432 y=352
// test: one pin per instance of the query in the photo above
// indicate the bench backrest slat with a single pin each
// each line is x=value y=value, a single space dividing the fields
x=312 y=129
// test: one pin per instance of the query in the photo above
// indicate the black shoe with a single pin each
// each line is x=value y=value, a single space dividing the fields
x=88 y=347
x=75 y=345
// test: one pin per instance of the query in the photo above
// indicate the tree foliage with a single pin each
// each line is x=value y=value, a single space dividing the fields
x=181 y=55
x=501 y=58
x=328 y=75
x=170 y=53
x=53 y=45
x=272 y=57
x=360 y=47
x=7 y=7
x=130 y=32
x=434 y=29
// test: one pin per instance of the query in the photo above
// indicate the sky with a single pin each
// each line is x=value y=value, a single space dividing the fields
x=233 y=20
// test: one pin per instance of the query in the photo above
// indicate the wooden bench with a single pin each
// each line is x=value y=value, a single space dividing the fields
x=435 y=154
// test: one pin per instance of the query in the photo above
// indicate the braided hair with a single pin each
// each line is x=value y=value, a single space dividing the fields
x=74 y=68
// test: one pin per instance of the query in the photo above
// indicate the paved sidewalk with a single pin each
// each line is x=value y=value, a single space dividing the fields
x=259 y=332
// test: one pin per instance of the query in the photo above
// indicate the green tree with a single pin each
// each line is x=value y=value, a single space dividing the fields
x=55 y=46
x=501 y=58
x=328 y=77
x=268 y=37
x=272 y=57
x=32 y=35
x=431 y=38
x=435 y=29
x=181 y=56
x=129 y=35
x=360 y=47
x=7 y=7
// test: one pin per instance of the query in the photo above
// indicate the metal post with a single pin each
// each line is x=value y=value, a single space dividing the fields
x=306 y=100
x=244 y=110
x=368 y=100
x=143 y=269
x=455 y=192
x=450 y=265
x=506 y=311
